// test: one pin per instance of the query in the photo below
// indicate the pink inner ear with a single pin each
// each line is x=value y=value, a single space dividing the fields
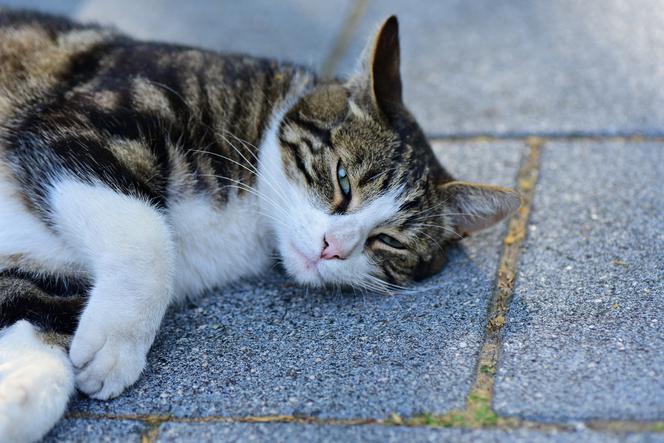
x=469 y=224
x=480 y=206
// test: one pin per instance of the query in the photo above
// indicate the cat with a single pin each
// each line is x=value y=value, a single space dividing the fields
x=136 y=174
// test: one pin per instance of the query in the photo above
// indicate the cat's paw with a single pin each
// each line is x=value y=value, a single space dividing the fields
x=36 y=380
x=108 y=358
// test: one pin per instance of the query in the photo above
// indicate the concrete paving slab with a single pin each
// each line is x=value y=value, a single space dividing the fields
x=529 y=65
x=269 y=347
x=97 y=430
x=295 y=30
x=208 y=432
x=584 y=338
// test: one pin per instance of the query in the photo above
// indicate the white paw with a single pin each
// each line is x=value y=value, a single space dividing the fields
x=108 y=356
x=36 y=381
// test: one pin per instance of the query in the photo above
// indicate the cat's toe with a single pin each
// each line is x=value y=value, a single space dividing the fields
x=114 y=367
x=85 y=345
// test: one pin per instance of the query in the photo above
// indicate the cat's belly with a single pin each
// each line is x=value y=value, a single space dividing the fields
x=217 y=245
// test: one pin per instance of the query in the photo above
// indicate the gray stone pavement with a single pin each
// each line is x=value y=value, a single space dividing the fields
x=588 y=311
x=101 y=431
x=582 y=346
x=76 y=431
x=272 y=348
x=297 y=30
x=530 y=66
x=379 y=434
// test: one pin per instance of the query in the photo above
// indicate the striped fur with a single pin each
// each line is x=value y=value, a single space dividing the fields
x=134 y=173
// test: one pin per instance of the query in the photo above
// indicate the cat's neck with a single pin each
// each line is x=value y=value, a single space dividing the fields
x=250 y=93
x=247 y=99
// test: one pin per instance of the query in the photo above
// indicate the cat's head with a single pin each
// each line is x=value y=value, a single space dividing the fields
x=357 y=195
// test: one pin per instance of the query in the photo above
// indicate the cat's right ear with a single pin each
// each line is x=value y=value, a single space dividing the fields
x=380 y=67
x=474 y=206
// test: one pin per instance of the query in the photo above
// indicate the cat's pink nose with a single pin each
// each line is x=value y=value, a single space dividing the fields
x=332 y=249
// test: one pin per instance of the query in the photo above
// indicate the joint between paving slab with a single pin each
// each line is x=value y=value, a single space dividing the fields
x=547 y=137
x=450 y=420
x=479 y=412
x=343 y=42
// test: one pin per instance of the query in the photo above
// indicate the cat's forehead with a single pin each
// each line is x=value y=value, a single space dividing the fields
x=336 y=123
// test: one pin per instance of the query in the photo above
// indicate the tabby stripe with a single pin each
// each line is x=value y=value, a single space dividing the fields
x=51 y=284
x=397 y=160
x=408 y=205
x=298 y=160
x=92 y=155
x=343 y=206
x=388 y=273
x=23 y=298
x=266 y=106
x=309 y=144
x=324 y=135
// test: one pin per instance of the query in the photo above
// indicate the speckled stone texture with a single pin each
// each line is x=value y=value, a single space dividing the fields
x=270 y=347
x=584 y=338
x=177 y=432
x=98 y=431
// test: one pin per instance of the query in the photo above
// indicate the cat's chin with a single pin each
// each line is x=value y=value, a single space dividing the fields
x=303 y=269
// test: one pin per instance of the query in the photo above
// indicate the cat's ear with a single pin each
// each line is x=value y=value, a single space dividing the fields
x=381 y=65
x=474 y=207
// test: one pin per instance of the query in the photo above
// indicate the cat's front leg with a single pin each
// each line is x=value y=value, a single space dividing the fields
x=129 y=248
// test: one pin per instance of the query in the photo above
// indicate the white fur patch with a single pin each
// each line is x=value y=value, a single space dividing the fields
x=23 y=234
x=127 y=244
x=216 y=246
x=300 y=224
x=36 y=381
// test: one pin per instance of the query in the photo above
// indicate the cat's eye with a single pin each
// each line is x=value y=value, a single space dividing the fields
x=390 y=241
x=344 y=181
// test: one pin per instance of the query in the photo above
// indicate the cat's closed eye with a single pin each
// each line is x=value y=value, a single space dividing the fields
x=390 y=241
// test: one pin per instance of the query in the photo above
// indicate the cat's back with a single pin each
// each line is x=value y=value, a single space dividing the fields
x=37 y=51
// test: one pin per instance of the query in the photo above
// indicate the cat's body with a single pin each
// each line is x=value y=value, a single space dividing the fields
x=134 y=174
x=148 y=120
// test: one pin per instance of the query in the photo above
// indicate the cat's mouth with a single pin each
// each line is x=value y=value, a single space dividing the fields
x=306 y=267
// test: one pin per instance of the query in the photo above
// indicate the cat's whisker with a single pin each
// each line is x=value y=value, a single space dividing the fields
x=244 y=144
x=184 y=102
x=376 y=285
x=277 y=189
x=444 y=214
x=248 y=188
x=444 y=228
x=438 y=245
x=240 y=185
x=432 y=208
x=253 y=170
x=275 y=219
x=393 y=286
x=275 y=186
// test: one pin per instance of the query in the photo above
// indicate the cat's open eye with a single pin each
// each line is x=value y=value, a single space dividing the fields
x=390 y=241
x=344 y=182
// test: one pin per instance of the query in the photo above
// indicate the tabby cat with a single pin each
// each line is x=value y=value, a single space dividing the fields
x=136 y=174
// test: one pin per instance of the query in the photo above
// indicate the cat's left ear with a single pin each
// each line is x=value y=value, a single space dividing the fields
x=381 y=63
x=474 y=207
